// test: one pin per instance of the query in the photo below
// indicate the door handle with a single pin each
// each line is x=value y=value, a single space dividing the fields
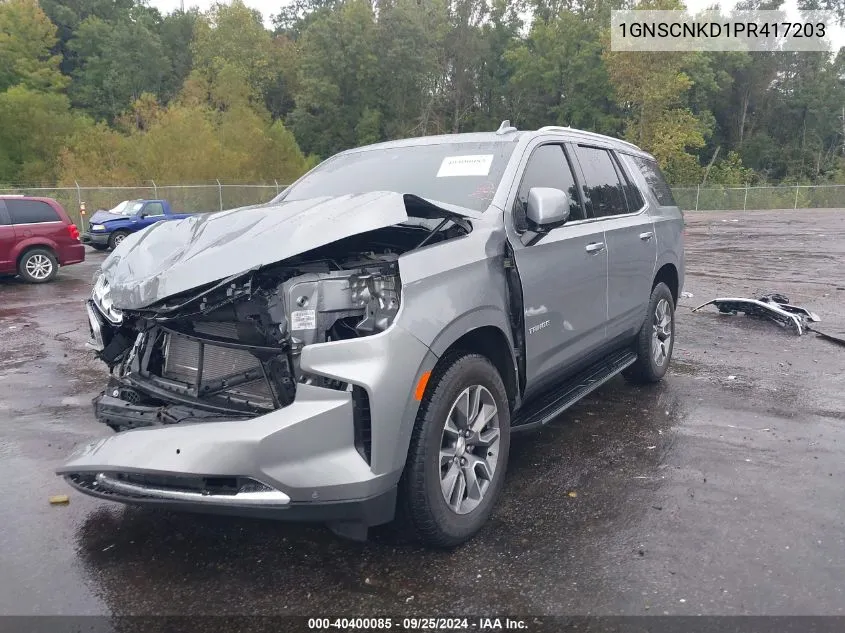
x=595 y=247
x=645 y=237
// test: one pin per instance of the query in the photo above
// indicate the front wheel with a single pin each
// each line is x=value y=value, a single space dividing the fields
x=656 y=339
x=458 y=453
x=116 y=238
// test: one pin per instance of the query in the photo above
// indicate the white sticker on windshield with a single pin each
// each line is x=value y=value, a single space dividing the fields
x=303 y=320
x=474 y=165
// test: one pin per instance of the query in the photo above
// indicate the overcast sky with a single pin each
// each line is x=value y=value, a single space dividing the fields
x=271 y=7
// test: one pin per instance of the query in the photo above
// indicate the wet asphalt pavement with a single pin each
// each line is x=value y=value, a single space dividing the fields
x=719 y=491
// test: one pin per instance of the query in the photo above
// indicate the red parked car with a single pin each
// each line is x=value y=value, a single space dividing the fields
x=36 y=237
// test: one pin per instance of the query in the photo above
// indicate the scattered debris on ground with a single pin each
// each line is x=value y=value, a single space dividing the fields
x=775 y=307
x=687 y=295
x=58 y=500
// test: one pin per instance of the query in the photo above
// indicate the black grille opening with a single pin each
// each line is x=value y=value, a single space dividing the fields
x=362 y=422
x=219 y=485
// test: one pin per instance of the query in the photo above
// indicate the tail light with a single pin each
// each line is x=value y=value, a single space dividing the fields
x=74 y=232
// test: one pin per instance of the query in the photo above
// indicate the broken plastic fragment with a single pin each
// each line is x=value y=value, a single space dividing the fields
x=775 y=307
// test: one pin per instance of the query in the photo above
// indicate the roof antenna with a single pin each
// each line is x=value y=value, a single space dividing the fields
x=505 y=127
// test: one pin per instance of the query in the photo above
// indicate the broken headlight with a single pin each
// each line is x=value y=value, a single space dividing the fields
x=102 y=299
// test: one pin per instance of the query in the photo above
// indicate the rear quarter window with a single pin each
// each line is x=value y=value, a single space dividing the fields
x=656 y=182
x=31 y=212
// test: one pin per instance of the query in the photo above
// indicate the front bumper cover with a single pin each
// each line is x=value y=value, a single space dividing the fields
x=101 y=239
x=269 y=504
x=308 y=450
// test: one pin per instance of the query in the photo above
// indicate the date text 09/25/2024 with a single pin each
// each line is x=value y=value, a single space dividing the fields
x=418 y=624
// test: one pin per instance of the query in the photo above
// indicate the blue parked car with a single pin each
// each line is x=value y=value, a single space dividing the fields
x=106 y=229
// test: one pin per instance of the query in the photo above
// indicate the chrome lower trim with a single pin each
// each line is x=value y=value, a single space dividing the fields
x=265 y=498
x=96 y=341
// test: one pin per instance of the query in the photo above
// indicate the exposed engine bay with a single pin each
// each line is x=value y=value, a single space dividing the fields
x=231 y=349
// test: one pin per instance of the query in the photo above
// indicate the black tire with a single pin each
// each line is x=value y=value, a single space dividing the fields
x=647 y=369
x=116 y=238
x=100 y=247
x=38 y=266
x=423 y=506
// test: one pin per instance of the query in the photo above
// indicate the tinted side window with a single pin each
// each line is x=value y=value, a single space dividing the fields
x=547 y=167
x=656 y=182
x=31 y=212
x=633 y=195
x=154 y=208
x=4 y=216
x=602 y=189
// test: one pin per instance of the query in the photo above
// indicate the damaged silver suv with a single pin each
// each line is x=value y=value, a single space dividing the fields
x=364 y=345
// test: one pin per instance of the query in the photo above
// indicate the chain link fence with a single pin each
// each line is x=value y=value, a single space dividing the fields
x=218 y=196
x=182 y=198
x=716 y=198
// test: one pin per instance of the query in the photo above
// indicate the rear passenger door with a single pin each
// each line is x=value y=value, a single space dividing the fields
x=7 y=240
x=563 y=275
x=611 y=195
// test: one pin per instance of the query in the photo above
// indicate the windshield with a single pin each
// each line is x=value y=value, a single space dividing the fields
x=463 y=174
x=127 y=207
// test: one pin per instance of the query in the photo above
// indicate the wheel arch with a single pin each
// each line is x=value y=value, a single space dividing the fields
x=668 y=274
x=32 y=244
x=492 y=342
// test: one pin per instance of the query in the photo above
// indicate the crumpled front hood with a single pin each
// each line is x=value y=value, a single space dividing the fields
x=171 y=257
x=104 y=216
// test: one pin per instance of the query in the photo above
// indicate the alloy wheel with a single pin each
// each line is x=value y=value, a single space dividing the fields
x=661 y=337
x=469 y=449
x=39 y=266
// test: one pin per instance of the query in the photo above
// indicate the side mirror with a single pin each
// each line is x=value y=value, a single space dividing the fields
x=547 y=208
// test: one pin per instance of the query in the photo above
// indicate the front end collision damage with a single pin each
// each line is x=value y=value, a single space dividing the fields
x=237 y=404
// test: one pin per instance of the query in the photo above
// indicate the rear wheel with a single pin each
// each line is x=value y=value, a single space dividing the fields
x=656 y=339
x=116 y=238
x=458 y=453
x=38 y=266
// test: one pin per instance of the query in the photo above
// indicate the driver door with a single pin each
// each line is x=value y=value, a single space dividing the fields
x=151 y=213
x=563 y=276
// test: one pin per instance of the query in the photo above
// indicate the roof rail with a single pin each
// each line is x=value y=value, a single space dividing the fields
x=506 y=127
x=560 y=128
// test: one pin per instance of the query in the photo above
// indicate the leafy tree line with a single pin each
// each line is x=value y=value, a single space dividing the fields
x=114 y=92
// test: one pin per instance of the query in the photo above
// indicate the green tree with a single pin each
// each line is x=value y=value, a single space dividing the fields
x=27 y=38
x=176 y=31
x=35 y=126
x=337 y=78
x=559 y=76
x=118 y=61
x=188 y=140
x=67 y=15
x=231 y=40
x=730 y=171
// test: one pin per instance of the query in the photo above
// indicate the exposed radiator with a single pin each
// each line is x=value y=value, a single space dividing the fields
x=181 y=360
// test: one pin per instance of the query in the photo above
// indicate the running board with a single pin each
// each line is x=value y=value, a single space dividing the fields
x=548 y=406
